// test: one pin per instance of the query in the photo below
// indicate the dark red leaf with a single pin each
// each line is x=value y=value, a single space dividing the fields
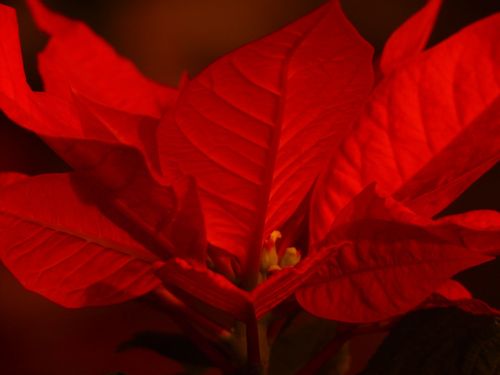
x=137 y=198
x=457 y=166
x=76 y=58
x=454 y=294
x=65 y=249
x=478 y=230
x=453 y=291
x=209 y=287
x=470 y=305
x=112 y=125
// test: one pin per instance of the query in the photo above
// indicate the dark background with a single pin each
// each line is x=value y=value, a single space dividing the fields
x=165 y=37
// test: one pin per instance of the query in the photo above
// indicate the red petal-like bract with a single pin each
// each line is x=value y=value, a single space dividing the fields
x=255 y=127
x=65 y=249
x=127 y=104
x=477 y=229
x=211 y=288
x=445 y=97
x=410 y=38
x=164 y=216
x=396 y=261
x=161 y=212
x=260 y=132
x=470 y=305
x=8 y=178
x=453 y=291
x=77 y=59
x=457 y=166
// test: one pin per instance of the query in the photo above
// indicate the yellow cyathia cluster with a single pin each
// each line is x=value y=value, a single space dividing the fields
x=271 y=261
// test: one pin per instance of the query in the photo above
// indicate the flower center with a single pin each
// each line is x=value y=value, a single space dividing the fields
x=271 y=261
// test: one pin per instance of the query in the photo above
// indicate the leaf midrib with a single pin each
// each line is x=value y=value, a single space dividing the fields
x=105 y=243
x=255 y=244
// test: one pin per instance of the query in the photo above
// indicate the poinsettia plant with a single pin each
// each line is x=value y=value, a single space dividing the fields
x=291 y=174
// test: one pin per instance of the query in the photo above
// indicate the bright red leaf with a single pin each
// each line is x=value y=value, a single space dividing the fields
x=66 y=249
x=397 y=260
x=255 y=127
x=453 y=291
x=155 y=210
x=94 y=68
x=476 y=229
x=412 y=117
x=127 y=104
x=8 y=178
x=272 y=136
x=410 y=39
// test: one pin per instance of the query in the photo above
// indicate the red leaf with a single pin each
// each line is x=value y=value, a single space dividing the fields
x=255 y=127
x=471 y=154
x=478 y=230
x=147 y=204
x=118 y=178
x=209 y=287
x=410 y=39
x=164 y=216
x=453 y=291
x=76 y=58
x=66 y=249
x=9 y=178
x=470 y=305
x=163 y=212
x=127 y=104
x=38 y=112
x=116 y=126
x=434 y=102
x=397 y=260
x=12 y=80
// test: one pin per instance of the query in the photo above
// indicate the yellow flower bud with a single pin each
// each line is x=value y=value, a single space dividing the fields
x=290 y=258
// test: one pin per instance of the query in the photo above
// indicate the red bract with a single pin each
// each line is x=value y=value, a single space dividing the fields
x=186 y=189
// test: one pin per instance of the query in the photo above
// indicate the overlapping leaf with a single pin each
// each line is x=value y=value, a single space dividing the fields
x=211 y=288
x=65 y=249
x=397 y=260
x=442 y=103
x=255 y=130
x=162 y=212
x=410 y=39
x=9 y=178
x=476 y=229
x=457 y=166
x=99 y=121
x=255 y=127
x=127 y=104
x=77 y=58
